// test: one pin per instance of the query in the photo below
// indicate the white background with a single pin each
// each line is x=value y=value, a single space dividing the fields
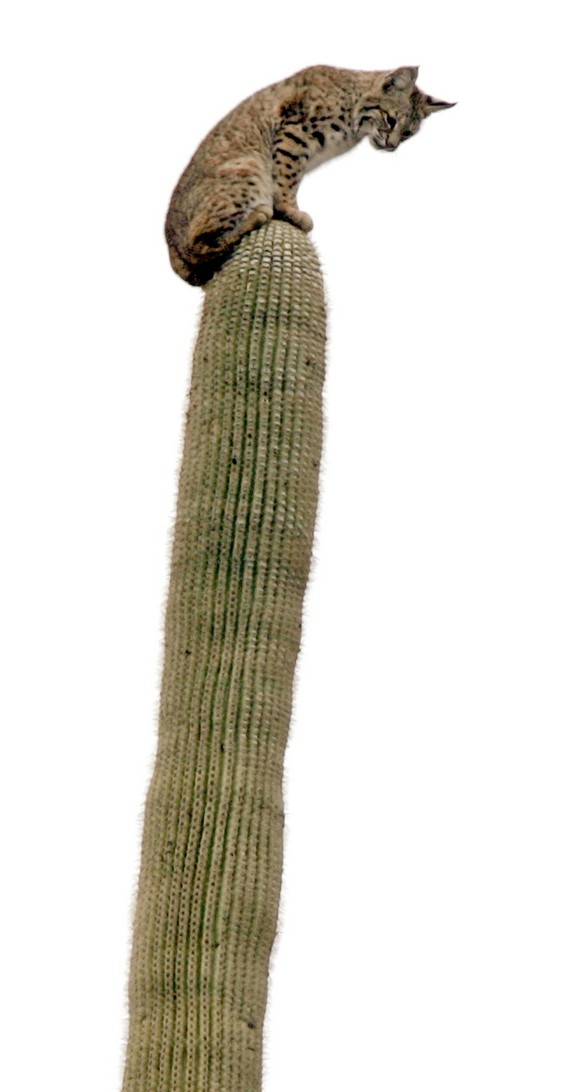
x=430 y=930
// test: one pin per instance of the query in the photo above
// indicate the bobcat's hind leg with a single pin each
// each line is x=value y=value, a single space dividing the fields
x=237 y=199
x=200 y=249
x=209 y=236
x=209 y=217
x=209 y=240
x=293 y=215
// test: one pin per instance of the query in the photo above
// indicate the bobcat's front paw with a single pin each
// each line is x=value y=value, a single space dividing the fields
x=294 y=216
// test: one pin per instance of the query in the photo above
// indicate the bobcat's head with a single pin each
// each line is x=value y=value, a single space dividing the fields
x=393 y=110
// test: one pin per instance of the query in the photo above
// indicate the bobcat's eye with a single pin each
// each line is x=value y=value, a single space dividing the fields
x=406 y=134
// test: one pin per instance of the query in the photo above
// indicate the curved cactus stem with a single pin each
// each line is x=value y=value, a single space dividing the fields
x=208 y=895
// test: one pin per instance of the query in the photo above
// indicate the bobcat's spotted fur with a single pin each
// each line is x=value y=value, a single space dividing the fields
x=247 y=170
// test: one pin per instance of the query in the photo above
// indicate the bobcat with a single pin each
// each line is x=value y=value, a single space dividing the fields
x=247 y=170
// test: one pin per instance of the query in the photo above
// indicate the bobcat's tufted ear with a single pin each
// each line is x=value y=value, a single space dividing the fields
x=401 y=79
x=431 y=104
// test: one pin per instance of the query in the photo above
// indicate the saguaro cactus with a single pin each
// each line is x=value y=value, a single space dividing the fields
x=208 y=895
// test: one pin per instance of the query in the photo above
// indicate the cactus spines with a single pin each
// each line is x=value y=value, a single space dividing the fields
x=208 y=895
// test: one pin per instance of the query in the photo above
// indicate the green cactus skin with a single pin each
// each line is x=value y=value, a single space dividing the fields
x=210 y=877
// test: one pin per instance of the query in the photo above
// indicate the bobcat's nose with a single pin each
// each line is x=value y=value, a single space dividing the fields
x=389 y=140
x=386 y=139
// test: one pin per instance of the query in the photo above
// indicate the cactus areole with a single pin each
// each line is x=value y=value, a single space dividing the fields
x=210 y=877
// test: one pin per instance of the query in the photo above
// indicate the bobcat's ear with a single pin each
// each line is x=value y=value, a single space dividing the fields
x=431 y=104
x=400 y=79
